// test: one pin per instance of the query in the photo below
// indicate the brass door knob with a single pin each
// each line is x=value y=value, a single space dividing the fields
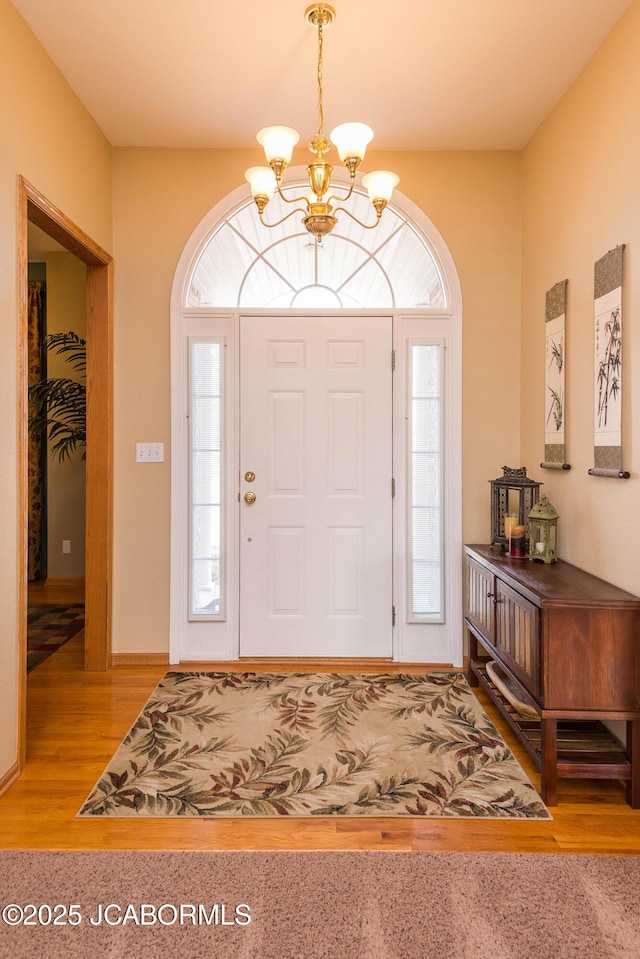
x=249 y=498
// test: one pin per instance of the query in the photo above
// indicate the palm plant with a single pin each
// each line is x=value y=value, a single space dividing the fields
x=59 y=404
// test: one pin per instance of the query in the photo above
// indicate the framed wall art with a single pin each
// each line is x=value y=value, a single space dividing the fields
x=555 y=364
x=607 y=412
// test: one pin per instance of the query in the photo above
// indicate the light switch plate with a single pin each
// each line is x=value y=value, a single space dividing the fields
x=149 y=452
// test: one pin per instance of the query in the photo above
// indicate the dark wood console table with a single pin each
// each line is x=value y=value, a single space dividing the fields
x=569 y=644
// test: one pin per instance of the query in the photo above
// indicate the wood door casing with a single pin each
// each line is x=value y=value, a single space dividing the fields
x=35 y=208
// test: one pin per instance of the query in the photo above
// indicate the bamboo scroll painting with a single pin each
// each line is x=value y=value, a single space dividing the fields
x=555 y=362
x=607 y=425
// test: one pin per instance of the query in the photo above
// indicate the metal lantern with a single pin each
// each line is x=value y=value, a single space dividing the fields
x=543 y=523
x=512 y=497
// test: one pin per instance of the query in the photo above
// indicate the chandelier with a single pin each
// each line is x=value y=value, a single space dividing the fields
x=351 y=141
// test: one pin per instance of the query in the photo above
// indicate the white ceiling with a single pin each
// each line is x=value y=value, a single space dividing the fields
x=425 y=74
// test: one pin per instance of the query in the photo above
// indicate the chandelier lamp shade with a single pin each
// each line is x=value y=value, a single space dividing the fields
x=321 y=202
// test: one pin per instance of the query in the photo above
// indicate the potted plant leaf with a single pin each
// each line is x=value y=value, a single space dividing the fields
x=59 y=404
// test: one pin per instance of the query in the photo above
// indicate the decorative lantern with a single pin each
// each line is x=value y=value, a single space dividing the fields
x=543 y=522
x=512 y=496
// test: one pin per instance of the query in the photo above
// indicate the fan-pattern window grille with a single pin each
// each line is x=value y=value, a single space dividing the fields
x=246 y=265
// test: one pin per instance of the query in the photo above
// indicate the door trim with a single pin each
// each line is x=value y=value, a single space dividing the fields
x=34 y=207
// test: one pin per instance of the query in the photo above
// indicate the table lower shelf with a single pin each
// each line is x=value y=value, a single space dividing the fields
x=585 y=748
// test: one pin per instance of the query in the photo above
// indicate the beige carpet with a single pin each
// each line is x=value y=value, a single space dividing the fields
x=319 y=905
x=252 y=744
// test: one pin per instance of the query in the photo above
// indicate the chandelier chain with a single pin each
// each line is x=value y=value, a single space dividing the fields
x=320 y=108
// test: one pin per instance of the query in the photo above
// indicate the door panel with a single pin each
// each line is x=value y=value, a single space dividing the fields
x=315 y=429
x=518 y=635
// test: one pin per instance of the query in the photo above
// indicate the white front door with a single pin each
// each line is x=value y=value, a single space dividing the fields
x=315 y=432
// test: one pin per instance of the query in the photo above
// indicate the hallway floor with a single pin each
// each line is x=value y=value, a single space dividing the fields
x=77 y=719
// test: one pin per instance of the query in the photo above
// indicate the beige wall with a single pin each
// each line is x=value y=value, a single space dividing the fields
x=580 y=199
x=47 y=137
x=66 y=312
x=160 y=196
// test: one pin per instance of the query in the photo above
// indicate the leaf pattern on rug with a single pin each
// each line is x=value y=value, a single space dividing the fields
x=251 y=744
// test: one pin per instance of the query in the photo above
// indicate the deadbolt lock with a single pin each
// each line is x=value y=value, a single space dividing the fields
x=249 y=476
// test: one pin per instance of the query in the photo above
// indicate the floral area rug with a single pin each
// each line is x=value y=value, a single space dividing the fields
x=50 y=626
x=252 y=744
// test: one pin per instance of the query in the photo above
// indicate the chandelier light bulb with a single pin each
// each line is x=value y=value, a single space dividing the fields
x=262 y=181
x=351 y=140
x=380 y=184
x=278 y=143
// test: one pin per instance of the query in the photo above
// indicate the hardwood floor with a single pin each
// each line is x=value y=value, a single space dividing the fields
x=56 y=591
x=77 y=719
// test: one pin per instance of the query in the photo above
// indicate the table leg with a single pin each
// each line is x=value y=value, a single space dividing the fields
x=473 y=655
x=633 y=755
x=549 y=765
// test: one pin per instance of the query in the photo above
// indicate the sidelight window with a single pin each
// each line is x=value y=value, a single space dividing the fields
x=205 y=432
x=425 y=480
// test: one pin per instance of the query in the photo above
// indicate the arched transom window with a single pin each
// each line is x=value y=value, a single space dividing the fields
x=246 y=265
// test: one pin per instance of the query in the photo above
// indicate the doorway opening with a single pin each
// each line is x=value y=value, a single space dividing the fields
x=36 y=209
x=57 y=342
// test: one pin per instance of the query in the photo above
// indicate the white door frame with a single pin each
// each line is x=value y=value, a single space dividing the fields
x=409 y=637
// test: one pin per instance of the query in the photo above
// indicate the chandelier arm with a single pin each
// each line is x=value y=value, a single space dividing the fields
x=366 y=226
x=278 y=222
x=295 y=199
x=341 y=199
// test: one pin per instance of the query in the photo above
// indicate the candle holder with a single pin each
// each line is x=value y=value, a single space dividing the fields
x=512 y=496
x=543 y=523
x=517 y=543
x=510 y=520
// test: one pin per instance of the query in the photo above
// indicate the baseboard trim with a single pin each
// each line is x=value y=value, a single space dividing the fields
x=7 y=781
x=308 y=664
x=139 y=659
x=54 y=581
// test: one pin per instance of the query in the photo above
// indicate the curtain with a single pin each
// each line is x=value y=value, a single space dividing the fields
x=36 y=467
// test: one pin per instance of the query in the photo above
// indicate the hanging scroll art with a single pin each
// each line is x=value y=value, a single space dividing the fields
x=555 y=357
x=607 y=438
